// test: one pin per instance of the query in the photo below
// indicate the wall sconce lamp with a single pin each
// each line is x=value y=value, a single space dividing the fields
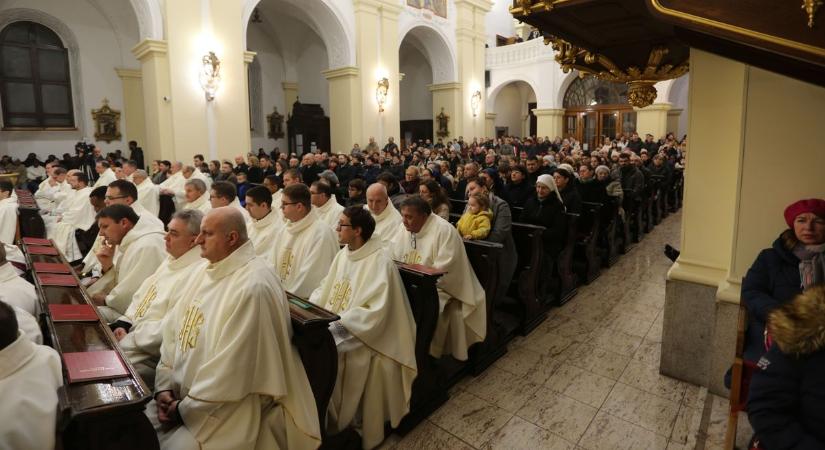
x=475 y=102
x=210 y=76
x=381 y=93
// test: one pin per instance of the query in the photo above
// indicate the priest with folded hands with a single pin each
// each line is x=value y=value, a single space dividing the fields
x=375 y=336
x=140 y=250
x=431 y=241
x=303 y=248
x=140 y=330
x=229 y=376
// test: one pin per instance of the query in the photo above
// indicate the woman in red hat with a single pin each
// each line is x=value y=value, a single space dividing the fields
x=794 y=263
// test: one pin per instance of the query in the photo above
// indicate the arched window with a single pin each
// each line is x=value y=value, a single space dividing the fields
x=35 y=87
x=591 y=91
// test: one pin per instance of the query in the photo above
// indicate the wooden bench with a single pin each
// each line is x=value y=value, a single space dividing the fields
x=567 y=286
x=457 y=206
x=586 y=262
x=28 y=215
x=610 y=242
x=484 y=257
x=525 y=284
x=100 y=414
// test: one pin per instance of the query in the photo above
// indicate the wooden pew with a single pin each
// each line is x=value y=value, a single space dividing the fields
x=525 y=284
x=29 y=219
x=567 y=278
x=92 y=415
x=429 y=390
x=457 y=206
x=586 y=262
x=484 y=256
x=311 y=336
x=610 y=243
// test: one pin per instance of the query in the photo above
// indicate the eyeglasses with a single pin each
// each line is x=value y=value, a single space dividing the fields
x=342 y=225
x=109 y=197
x=284 y=204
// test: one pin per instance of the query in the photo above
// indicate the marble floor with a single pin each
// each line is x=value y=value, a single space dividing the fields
x=587 y=378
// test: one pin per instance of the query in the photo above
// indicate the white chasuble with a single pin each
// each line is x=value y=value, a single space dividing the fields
x=27 y=324
x=140 y=252
x=302 y=252
x=149 y=196
x=16 y=291
x=330 y=213
x=263 y=233
x=237 y=205
x=78 y=214
x=105 y=178
x=227 y=355
x=463 y=315
x=376 y=360
x=202 y=204
x=388 y=224
x=8 y=220
x=30 y=375
x=153 y=300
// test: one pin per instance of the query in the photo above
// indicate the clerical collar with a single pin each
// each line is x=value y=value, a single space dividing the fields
x=236 y=260
x=369 y=247
x=16 y=355
x=299 y=226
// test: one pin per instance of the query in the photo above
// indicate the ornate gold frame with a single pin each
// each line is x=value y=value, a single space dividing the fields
x=107 y=123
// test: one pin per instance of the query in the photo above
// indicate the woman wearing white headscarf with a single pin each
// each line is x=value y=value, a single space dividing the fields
x=547 y=209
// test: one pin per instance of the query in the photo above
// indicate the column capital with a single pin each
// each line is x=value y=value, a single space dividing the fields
x=346 y=71
x=129 y=73
x=444 y=86
x=391 y=9
x=367 y=6
x=148 y=48
x=548 y=112
x=289 y=85
x=675 y=111
x=249 y=56
x=484 y=5
x=490 y=116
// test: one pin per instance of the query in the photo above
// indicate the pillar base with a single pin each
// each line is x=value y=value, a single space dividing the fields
x=549 y=122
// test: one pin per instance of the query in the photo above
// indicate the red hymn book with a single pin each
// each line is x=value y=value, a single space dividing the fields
x=89 y=366
x=73 y=313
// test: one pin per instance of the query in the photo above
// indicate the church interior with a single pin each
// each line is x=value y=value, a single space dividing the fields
x=412 y=224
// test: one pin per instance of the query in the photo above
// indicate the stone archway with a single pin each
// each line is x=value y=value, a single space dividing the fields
x=150 y=18
x=512 y=103
x=436 y=48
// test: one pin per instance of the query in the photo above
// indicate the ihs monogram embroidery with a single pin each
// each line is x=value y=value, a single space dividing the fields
x=192 y=322
x=341 y=293
x=286 y=264
x=413 y=257
x=151 y=294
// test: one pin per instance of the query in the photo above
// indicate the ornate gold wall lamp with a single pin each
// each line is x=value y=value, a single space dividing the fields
x=210 y=76
x=811 y=7
x=381 y=93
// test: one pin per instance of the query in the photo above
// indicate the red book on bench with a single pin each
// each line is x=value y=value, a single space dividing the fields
x=42 y=250
x=36 y=241
x=88 y=366
x=73 y=313
x=48 y=267
x=52 y=279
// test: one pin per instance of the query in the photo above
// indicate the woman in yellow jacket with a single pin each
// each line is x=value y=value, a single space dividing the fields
x=475 y=222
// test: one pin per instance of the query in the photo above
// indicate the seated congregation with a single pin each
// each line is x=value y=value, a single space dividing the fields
x=336 y=298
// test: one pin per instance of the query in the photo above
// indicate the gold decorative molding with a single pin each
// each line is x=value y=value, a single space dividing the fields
x=640 y=82
x=107 y=123
x=811 y=7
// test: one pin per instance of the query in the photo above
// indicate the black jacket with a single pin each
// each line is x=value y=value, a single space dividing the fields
x=786 y=402
x=548 y=213
x=571 y=198
x=517 y=194
x=772 y=280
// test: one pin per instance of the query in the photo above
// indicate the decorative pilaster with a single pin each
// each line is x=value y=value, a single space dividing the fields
x=447 y=96
x=344 y=107
x=158 y=138
x=133 y=110
x=549 y=122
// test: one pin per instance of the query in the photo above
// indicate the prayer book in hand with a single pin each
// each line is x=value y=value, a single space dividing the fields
x=73 y=313
x=89 y=366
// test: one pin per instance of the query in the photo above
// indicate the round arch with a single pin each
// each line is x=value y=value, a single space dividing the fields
x=150 y=18
x=568 y=79
x=436 y=48
x=70 y=41
x=677 y=89
x=494 y=90
x=325 y=18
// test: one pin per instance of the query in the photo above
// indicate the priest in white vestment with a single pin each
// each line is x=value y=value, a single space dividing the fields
x=196 y=196
x=52 y=189
x=431 y=241
x=304 y=247
x=224 y=193
x=375 y=336
x=174 y=184
x=388 y=224
x=16 y=257
x=15 y=289
x=229 y=377
x=140 y=330
x=77 y=214
x=105 y=172
x=140 y=250
x=8 y=213
x=325 y=204
x=148 y=192
x=30 y=376
x=263 y=228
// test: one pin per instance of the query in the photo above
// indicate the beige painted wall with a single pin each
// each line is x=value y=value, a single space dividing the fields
x=652 y=119
x=133 y=111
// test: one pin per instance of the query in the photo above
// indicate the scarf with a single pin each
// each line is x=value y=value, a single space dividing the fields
x=811 y=264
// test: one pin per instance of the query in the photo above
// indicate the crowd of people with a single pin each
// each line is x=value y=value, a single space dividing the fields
x=234 y=236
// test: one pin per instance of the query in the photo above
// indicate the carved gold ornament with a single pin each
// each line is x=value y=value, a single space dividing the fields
x=811 y=7
x=526 y=7
x=640 y=83
x=107 y=123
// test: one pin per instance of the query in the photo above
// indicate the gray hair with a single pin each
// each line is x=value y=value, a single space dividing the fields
x=140 y=173
x=602 y=169
x=197 y=183
x=192 y=218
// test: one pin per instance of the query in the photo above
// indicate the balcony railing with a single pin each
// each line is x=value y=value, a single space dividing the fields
x=527 y=52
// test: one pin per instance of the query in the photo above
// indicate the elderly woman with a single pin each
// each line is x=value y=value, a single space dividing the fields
x=547 y=209
x=794 y=263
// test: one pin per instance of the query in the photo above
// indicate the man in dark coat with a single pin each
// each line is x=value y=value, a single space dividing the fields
x=136 y=154
x=785 y=400
x=518 y=190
